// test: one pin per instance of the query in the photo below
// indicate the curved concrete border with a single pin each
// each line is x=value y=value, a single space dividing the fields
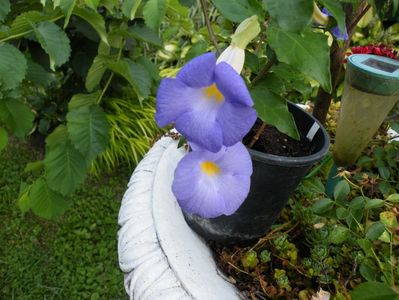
x=162 y=258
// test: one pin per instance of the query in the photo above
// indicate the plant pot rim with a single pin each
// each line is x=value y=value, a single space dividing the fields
x=288 y=161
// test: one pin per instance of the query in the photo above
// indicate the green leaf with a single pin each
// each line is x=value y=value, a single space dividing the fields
x=341 y=190
x=393 y=198
x=54 y=42
x=23 y=202
x=45 y=202
x=375 y=230
x=272 y=109
x=93 y=4
x=374 y=291
x=388 y=218
x=339 y=234
x=96 y=72
x=357 y=203
x=59 y=136
x=367 y=272
x=88 y=129
x=94 y=19
x=129 y=8
x=17 y=116
x=34 y=166
x=144 y=33
x=151 y=68
x=235 y=11
x=135 y=74
x=384 y=172
x=5 y=8
x=366 y=246
x=3 y=138
x=308 y=52
x=342 y=213
x=322 y=205
x=65 y=167
x=37 y=74
x=291 y=15
x=12 y=66
x=81 y=100
x=67 y=7
x=335 y=8
x=374 y=203
x=154 y=12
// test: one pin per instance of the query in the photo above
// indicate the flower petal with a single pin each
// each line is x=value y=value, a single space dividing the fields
x=235 y=160
x=233 y=56
x=198 y=72
x=232 y=86
x=173 y=99
x=235 y=120
x=234 y=189
x=200 y=126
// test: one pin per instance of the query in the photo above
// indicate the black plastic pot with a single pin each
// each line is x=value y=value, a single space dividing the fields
x=273 y=181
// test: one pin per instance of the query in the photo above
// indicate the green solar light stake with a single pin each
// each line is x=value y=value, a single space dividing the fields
x=371 y=90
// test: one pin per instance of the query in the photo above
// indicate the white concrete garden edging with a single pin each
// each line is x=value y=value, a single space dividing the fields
x=162 y=258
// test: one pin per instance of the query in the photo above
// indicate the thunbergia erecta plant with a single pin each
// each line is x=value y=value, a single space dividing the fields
x=210 y=105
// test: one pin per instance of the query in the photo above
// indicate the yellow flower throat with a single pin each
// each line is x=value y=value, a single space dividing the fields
x=210 y=168
x=212 y=92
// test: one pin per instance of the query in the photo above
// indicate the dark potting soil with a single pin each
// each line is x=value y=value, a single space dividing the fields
x=274 y=142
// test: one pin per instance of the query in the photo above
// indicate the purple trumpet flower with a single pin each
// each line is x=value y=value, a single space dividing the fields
x=335 y=31
x=209 y=103
x=213 y=184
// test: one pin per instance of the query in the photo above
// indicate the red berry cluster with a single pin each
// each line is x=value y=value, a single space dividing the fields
x=380 y=50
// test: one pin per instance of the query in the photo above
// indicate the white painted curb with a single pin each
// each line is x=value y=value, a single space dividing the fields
x=162 y=258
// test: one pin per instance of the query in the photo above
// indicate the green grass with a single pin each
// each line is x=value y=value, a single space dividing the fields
x=73 y=257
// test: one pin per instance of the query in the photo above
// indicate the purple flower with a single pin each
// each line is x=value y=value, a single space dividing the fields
x=213 y=184
x=209 y=103
x=335 y=31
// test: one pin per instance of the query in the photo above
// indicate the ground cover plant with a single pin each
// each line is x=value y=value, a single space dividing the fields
x=74 y=257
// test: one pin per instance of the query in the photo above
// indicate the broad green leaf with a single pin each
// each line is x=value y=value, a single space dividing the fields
x=12 y=66
x=37 y=74
x=151 y=68
x=384 y=172
x=129 y=8
x=54 y=42
x=357 y=203
x=374 y=203
x=59 y=136
x=291 y=15
x=17 y=116
x=393 y=198
x=81 y=100
x=374 y=291
x=322 y=205
x=23 y=202
x=65 y=168
x=341 y=190
x=144 y=33
x=367 y=272
x=154 y=12
x=308 y=52
x=5 y=8
x=272 y=109
x=96 y=72
x=235 y=11
x=3 y=138
x=88 y=129
x=339 y=234
x=94 y=19
x=375 y=230
x=93 y=4
x=342 y=213
x=366 y=246
x=45 y=202
x=135 y=74
x=335 y=8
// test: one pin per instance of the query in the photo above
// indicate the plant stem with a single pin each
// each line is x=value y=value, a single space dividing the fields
x=262 y=73
x=208 y=25
x=257 y=135
x=110 y=76
x=337 y=55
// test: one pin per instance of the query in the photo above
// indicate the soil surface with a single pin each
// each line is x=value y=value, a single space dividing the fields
x=274 y=142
